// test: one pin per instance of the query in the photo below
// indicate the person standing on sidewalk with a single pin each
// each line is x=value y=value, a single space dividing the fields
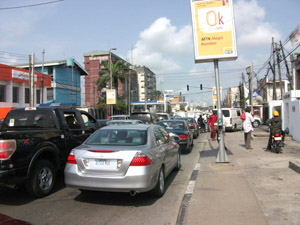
x=247 y=126
x=211 y=123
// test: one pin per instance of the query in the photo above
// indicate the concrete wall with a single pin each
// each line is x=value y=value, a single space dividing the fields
x=291 y=113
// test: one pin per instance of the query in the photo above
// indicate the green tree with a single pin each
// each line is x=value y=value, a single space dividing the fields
x=118 y=70
x=158 y=95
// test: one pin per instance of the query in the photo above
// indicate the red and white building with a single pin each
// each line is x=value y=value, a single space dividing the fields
x=15 y=88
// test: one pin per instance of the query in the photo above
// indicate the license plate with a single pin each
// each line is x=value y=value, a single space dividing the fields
x=277 y=138
x=106 y=163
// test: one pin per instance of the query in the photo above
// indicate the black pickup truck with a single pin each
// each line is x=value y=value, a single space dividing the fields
x=35 y=144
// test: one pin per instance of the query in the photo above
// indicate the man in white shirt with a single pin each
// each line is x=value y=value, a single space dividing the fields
x=247 y=126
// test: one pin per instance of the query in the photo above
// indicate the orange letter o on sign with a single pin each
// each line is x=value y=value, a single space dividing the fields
x=207 y=18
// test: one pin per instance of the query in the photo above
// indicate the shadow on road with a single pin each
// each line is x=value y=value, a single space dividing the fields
x=19 y=196
x=122 y=199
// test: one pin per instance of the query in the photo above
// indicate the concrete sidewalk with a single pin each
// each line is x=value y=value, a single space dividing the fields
x=255 y=187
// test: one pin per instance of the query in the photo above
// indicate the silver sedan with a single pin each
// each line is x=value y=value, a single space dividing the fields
x=127 y=158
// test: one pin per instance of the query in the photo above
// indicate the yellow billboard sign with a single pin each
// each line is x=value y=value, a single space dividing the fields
x=110 y=96
x=213 y=30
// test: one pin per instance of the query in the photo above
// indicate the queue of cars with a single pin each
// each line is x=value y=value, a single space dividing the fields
x=133 y=155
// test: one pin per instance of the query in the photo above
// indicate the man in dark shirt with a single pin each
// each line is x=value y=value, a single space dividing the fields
x=275 y=125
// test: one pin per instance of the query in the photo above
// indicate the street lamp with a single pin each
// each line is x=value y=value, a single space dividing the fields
x=110 y=75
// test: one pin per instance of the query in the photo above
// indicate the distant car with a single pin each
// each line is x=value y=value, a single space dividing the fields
x=231 y=119
x=146 y=117
x=180 y=128
x=192 y=124
x=120 y=117
x=102 y=123
x=129 y=158
x=256 y=121
x=7 y=220
x=124 y=122
x=163 y=116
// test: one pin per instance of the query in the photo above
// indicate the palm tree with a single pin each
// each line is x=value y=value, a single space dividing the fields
x=118 y=70
x=158 y=95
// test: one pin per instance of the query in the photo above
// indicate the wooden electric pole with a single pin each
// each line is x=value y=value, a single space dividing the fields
x=273 y=70
x=279 y=70
x=287 y=68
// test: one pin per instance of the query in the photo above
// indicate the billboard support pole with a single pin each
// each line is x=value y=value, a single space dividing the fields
x=222 y=157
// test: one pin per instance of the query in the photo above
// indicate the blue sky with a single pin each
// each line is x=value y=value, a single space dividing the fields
x=155 y=33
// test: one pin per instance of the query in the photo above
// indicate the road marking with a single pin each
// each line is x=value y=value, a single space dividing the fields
x=187 y=195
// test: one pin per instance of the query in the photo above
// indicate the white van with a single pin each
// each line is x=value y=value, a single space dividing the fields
x=232 y=120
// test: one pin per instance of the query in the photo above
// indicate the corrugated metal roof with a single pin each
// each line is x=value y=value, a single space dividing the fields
x=55 y=63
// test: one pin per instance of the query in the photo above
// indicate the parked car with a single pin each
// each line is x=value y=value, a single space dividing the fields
x=163 y=116
x=256 y=121
x=133 y=158
x=35 y=143
x=182 y=129
x=120 y=117
x=232 y=120
x=124 y=122
x=146 y=117
x=192 y=124
x=7 y=220
x=102 y=122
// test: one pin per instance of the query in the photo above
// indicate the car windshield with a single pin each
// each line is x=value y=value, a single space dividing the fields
x=118 y=137
x=172 y=125
x=118 y=122
x=161 y=116
x=118 y=118
x=145 y=117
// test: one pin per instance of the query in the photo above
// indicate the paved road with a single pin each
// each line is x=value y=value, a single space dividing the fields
x=70 y=206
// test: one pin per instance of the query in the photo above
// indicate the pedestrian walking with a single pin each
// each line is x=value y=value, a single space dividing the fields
x=213 y=118
x=247 y=126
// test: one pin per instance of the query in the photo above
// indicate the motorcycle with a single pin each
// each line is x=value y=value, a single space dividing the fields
x=277 y=143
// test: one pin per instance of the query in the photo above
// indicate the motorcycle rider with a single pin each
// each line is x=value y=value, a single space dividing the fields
x=275 y=125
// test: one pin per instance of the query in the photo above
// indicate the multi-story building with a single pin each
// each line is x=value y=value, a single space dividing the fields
x=65 y=75
x=146 y=83
x=15 y=88
x=93 y=63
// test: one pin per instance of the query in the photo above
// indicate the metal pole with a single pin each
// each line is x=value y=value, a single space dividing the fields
x=110 y=75
x=222 y=157
x=32 y=104
x=42 y=82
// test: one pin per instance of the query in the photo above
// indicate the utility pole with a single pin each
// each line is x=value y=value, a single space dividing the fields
x=29 y=78
x=279 y=70
x=250 y=75
x=42 y=81
x=287 y=67
x=273 y=70
x=31 y=90
x=243 y=90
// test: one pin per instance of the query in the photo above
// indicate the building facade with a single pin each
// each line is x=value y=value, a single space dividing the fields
x=93 y=64
x=65 y=80
x=15 y=88
x=146 y=83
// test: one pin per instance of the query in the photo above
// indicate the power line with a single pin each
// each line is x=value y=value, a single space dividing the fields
x=25 y=6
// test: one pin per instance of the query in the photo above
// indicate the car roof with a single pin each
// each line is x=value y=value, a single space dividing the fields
x=129 y=127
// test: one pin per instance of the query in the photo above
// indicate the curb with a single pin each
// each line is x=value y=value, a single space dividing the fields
x=295 y=165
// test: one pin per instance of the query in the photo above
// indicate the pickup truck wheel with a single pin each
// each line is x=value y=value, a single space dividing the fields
x=42 y=179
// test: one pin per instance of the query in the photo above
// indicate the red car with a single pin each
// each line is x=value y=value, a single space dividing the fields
x=7 y=220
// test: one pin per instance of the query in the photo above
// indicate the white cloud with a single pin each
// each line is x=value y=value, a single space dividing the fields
x=251 y=28
x=161 y=44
